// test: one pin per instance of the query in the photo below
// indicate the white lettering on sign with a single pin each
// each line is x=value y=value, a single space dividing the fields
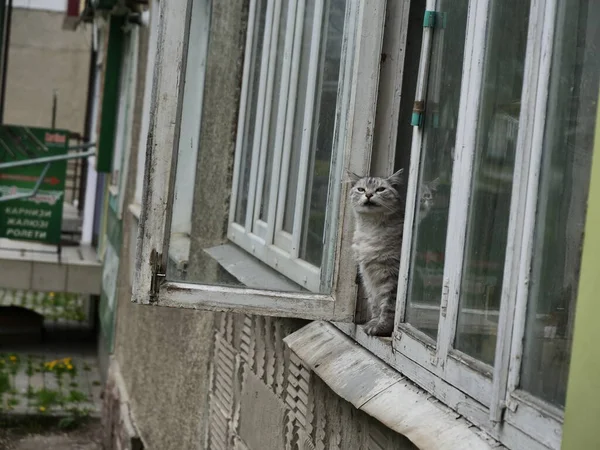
x=18 y=211
x=25 y=234
x=31 y=223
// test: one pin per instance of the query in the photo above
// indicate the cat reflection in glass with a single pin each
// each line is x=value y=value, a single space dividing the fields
x=378 y=205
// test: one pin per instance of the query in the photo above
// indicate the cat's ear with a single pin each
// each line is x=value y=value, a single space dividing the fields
x=397 y=178
x=434 y=184
x=352 y=177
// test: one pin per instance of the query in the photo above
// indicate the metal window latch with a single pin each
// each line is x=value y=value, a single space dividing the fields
x=445 y=294
x=158 y=274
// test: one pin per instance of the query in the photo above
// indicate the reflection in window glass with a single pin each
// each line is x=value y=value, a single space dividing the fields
x=296 y=144
x=252 y=102
x=273 y=124
x=483 y=266
x=562 y=198
x=443 y=96
x=323 y=126
x=295 y=56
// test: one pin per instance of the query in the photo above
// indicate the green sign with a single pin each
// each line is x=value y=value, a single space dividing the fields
x=38 y=217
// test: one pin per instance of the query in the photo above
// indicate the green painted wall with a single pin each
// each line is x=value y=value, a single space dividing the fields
x=581 y=429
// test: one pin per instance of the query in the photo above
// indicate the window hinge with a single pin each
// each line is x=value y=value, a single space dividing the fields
x=445 y=293
x=158 y=274
x=416 y=119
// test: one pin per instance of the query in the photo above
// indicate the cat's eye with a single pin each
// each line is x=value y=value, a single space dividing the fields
x=380 y=189
x=359 y=189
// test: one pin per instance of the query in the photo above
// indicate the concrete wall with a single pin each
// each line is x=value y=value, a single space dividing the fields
x=43 y=61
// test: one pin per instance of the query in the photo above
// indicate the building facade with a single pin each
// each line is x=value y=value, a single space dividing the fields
x=237 y=124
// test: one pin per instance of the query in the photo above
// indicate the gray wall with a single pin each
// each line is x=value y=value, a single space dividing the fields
x=43 y=57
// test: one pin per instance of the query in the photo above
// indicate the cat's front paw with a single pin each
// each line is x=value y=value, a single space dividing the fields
x=378 y=327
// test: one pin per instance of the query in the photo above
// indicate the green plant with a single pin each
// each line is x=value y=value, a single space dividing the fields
x=76 y=397
x=46 y=397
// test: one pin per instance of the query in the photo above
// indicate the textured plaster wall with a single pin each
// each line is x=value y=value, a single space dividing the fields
x=42 y=58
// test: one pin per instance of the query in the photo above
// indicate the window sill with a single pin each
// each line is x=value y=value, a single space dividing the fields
x=372 y=386
x=250 y=271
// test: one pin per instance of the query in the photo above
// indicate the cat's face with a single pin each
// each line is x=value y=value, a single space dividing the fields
x=375 y=195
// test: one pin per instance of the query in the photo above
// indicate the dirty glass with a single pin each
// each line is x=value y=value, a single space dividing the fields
x=489 y=208
x=295 y=144
x=562 y=198
x=252 y=123
x=282 y=164
x=437 y=153
x=320 y=164
x=274 y=123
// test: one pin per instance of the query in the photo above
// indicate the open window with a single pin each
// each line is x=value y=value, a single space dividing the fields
x=500 y=163
x=269 y=227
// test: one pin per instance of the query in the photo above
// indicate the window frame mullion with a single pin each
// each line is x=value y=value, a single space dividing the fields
x=257 y=150
x=315 y=46
x=266 y=120
x=531 y=212
x=241 y=125
x=519 y=253
x=462 y=174
x=413 y=176
x=283 y=122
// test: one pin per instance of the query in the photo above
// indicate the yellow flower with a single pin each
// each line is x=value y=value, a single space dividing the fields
x=42 y=408
x=50 y=365
x=67 y=360
x=69 y=367
x=13 y=358
x=51 y=294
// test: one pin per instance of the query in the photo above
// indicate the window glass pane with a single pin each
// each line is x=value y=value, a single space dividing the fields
x=489 y=207
x=275 y=126
x=441 y=113
x=564 y=184
x=298 y=120
x=252 y=104
x=323 y=125
x=299 y=96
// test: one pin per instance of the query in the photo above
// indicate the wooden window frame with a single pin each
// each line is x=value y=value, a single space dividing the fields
x=356 y=112
x=488 y=396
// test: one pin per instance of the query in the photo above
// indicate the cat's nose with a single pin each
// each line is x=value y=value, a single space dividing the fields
x=368 y=195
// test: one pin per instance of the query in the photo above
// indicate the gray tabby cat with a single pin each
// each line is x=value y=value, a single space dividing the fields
x=378 y=205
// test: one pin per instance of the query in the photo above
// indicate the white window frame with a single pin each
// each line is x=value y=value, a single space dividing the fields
x=356 y=112
x=488 y=396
